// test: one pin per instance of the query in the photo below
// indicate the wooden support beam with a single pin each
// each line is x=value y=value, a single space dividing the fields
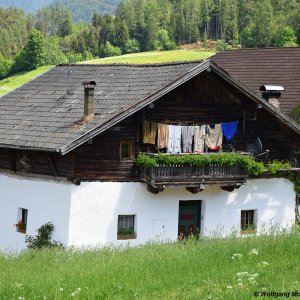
x=52 y=165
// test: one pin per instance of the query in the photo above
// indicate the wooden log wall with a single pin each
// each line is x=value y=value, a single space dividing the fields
x=36 y=162
x=205 y=99
x=101 y=160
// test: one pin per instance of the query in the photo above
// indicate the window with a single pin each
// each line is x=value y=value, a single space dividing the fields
x=248 y=221
x=22 y=220
x=126 y=227
x=126 y=149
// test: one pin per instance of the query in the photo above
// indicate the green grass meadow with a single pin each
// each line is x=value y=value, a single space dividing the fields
x=10 y=83
x=228 y=268
x=154 y=57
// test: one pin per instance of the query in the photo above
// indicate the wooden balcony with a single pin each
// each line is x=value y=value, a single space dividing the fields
x=194 y=178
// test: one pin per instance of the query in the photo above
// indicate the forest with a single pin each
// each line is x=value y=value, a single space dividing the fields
x=51 y=36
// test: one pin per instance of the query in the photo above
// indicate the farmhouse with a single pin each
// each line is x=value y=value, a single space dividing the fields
x=69 y=139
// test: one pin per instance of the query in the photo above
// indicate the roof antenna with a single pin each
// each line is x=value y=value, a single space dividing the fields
x=69 y=72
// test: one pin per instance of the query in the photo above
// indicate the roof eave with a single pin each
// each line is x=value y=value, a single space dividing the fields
x=7 y=146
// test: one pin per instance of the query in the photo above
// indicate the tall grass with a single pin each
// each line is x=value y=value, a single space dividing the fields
x=206 y=269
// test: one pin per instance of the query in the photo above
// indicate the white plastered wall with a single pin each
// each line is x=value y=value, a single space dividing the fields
x=46 y=201
x=96 y=206
x=87 y=215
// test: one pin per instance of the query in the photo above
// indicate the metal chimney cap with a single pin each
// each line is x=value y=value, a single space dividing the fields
x=89 y=82
x=271 y=88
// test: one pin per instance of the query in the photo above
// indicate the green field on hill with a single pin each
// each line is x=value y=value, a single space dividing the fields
x=17 y=80
x=10 y=83
x=231 y=268
x=154 y=57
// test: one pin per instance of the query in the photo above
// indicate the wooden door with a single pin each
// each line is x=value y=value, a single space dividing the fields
x=189 y=218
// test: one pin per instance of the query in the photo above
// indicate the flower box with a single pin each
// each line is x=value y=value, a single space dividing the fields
x=21 y=226
x=130 y=236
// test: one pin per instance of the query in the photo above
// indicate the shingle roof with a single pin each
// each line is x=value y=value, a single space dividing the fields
x=255 y=67
x=41 y=115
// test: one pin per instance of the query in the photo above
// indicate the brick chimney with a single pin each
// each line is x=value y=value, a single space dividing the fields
x=89 y=87
x=272 y=94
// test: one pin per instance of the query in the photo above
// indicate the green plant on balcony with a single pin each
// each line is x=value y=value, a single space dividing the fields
x=247 y=163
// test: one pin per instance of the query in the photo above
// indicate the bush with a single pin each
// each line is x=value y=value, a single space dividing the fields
x=5 y=66
x=221 y=45
x=296 y=113
x=42 y=239
x=109 y=50
x=286 y=37
x=163 y=42
x=132 y=46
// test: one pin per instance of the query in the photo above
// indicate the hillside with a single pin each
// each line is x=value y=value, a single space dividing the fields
x=153 y=57
x=13 y=82
x=82 y=10
x=26 y=5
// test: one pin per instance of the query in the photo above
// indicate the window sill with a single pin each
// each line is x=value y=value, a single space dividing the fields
x=126 y=236
x=21 y=231
x=245 y=232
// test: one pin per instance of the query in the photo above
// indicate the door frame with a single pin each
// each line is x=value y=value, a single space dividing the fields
x=198 y=208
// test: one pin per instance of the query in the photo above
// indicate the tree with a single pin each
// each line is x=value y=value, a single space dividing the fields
x=286 y=37
x=32 y=55
x=121 y=34
x=53 y=53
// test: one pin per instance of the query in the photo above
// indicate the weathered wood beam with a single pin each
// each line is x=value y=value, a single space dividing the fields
x=52 y=165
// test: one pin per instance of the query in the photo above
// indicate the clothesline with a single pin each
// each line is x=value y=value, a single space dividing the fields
x=187 y=139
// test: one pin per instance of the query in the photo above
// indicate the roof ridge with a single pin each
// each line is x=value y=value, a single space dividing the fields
x=262 y=49
x=136 y=65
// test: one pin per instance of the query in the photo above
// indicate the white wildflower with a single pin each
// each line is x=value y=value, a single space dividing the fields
x=229 y=286
x=253 y=251
x=78 y=289
x=242 y=274
x=240 y=284
x=73 y=294
x=265 y=263
x=255 y=275
x=61 y=289
x=236 y=255
x=21 y=298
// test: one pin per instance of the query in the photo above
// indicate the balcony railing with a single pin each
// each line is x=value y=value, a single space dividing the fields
x=192 y=176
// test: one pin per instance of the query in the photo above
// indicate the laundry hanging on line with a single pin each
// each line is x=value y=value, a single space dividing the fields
x=199 y=138
x=188 y=139
x=229 y=130
x=149 y=132
x=174 y=141
x=187 y=133
x=214 y=137
x=162 y=136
